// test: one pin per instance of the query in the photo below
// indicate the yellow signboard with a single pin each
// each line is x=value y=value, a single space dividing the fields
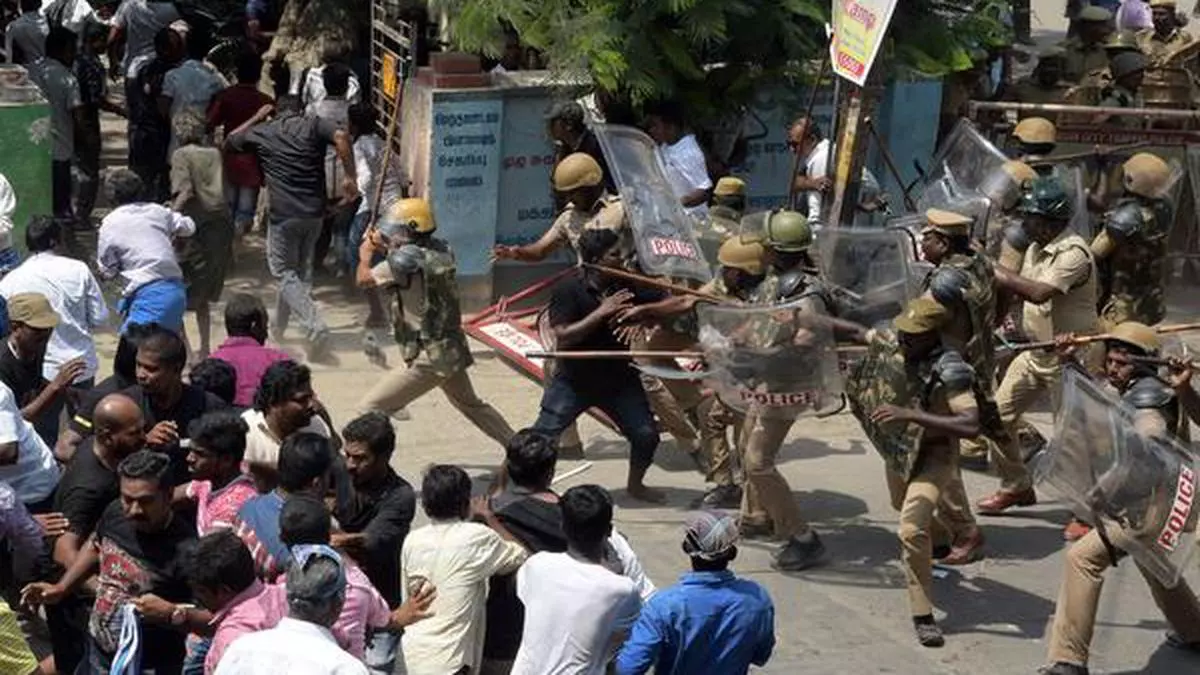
x=388 y=77
x=858 y=30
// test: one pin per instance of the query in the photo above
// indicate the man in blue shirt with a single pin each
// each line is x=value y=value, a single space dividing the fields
x=711 y=621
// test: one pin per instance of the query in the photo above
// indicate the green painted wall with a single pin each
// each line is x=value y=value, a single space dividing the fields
x=25 y=160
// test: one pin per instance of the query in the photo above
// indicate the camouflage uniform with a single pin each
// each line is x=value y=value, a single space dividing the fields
x=1156 y=413
x=923 y=478
x=1116 y=96
x=719 y=465
x=1134 y=272
x=428 y=327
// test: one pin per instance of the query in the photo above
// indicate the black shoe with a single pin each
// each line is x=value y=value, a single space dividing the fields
x=799 y=555
x=1061 y=668
x=722 y=497
x=929 y=634
x=1175 y=641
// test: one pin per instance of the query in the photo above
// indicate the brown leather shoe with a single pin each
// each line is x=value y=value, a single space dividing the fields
x=1076 y=530
x=966 y=550
x=1003 y=500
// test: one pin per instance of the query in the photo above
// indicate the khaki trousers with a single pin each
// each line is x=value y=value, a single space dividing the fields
x=670 y=399
x=398 y=388
x=716 y=417
x=1083 y=578
x=766 y=496
x=933 y=507
x=1028 y=377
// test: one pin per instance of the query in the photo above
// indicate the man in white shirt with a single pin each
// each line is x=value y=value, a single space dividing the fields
x=136 y=241
x=682 y=159
x=26 y=462
x=310 y=85
x=138 y=21
x=284 y=405
x=368 y=160
x=577 y=611
x=812 y=182
x=58 y=84
x=457 y=557
x=25 y=36
x=72 y=291
x=302 y=643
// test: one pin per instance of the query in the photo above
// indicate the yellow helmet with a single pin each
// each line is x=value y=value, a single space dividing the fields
x=412 y=213
x=729 y=186
x=1136 y=334
x=743 y=253
x=577 y=170
x=1035 y=131
x=1146 y=175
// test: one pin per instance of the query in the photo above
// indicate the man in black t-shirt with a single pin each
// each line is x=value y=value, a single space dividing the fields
x=585 y=310
x=87 y=487
x=139 y=549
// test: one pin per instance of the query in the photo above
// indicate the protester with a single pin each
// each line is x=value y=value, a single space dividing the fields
x=31 y=323
x=302 y=643
x=26 y=462
x=218 y=486
x=285 y=405
x=222 y=579
x=87 y=487
x=682 y=159
x=76 y=298
x=53 y=76
x=217 y=378
x=711 y=621
x=138 y=558
x=198 y=190
x=189 y=88
x=456 y=556
x=139 y=23
x=246 y=325
x=149 y=129
x=231 y=109
x=291 y=151
x=312 y=85
x=89 y=141
x=23 y=536
x=304 y=521
x=376 y=520
x=25 y=36
x=304 y=463
x=576 y=610
x=137 y=241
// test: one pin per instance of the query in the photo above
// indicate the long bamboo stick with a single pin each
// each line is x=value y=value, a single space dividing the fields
x=1087 y=339
x=652 y=282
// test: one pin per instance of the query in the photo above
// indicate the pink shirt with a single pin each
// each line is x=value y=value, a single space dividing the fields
x=259 y=607
x=364 y=608
x=217 y=510
x=250 y=360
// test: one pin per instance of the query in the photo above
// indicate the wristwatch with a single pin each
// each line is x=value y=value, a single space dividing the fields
x=179 y=615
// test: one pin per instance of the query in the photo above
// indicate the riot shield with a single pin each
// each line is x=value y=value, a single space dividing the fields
x=1140 y=487
x=966 y=158
x=868 y=271
x=911 y=225
x=666 y=244
x=1072 y=176
x=779 y=361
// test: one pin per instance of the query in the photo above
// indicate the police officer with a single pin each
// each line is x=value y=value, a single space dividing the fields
x=1036 y=138
x=1156 y=413
x=1045 y=84
x=1168 y=36
x=1085 y=51
x=932 y=495
x=420 y=269
x=963 y=281
x=1057 y=282
x=579 y=180
x=725 y=213
x=1128 y=70
x=1003 y=188
x=1133 y=244
x=768 y=507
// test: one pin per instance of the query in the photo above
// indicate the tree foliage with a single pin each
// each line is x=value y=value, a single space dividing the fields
x=710 y=55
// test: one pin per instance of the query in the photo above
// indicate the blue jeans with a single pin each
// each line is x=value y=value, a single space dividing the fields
x=625 y=403
x=380 y=654
x=291 y=244
x=358 y=227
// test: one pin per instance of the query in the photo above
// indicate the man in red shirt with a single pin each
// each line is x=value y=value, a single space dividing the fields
x=229 y=110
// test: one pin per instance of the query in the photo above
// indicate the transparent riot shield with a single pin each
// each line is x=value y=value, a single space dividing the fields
x=911 y=225
x=867 y=270
x=966 y=158
x=1141 y=487
x=662 y=230
x=779 y=361
x=1072 y=176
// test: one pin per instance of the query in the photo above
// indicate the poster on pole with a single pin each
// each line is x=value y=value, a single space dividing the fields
x=858 y=30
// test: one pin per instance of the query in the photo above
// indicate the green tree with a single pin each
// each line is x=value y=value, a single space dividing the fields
x=711 y=55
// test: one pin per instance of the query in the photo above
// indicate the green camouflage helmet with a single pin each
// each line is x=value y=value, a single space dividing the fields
x=1047 y=196
x=788 y=232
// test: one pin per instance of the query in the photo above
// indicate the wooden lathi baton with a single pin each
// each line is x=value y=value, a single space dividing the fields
x=642 y=354
x=1088 y=339
x=651 y=282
